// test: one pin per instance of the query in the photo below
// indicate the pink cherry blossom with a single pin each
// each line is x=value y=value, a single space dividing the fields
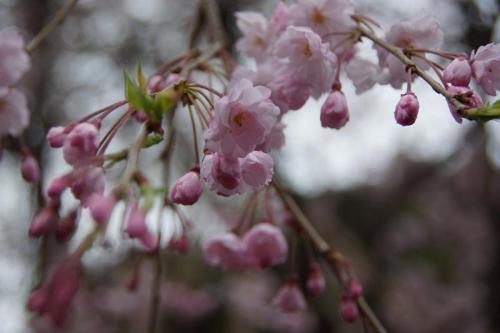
x=265 y=245
x=420 y=32
x=56 y=136
x=101 y=207
x=467 y=96
x=280 y=18
x=256 y=35
x=30 y=170
x=363 y=74
x=290 y=298
x=334 y=112
x=305 y=55
x=225 y=250
x=15 y=60
x=275 y=139
x=323 y=16
x=289 y=91
x=236 y=176
x=316 y=280
x=187 y=189
x=458 y=72
x=407 y=109
x=14 y=113
x=241 y=120
x=486 y=67
x=81 y=144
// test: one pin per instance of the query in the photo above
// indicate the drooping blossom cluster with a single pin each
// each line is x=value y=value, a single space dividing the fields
x=14 y=113
x=298 y=53
x=262 y=246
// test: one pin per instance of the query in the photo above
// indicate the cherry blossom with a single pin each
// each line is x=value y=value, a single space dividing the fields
x=14 y=113
x=486 y=67
x=15 y=61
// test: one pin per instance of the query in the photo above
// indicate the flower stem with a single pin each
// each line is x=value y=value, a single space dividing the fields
x=334 y=258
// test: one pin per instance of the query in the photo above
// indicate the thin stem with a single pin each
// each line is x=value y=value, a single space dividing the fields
x=195 y=137
x=49 y=27
x=106 y=110
x=335 y=259
x=132 y=162
x=398 y=53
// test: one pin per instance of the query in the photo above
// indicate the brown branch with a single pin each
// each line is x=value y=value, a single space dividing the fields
x=51 y=25
x=398 y=53
x=334 y=258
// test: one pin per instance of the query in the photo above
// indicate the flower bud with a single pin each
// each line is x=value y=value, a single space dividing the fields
x=57 y=186
x=66 y=226
x=43 y=221
x=30 y=170
x=334 y=112
x=316 y=280
x=37 y=301
x=179 y=244
x=136 y=222
x=101 y=207
x=56 y=137
x=354 y=289
x=458 y=72
x=290 y=298
x=187 y=189
x=348 y=310
x=407 y=109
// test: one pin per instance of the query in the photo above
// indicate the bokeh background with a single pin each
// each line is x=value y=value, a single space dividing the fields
x=417 y=209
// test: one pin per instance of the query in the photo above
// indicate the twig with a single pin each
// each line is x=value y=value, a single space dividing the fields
x=398 y=53
x=49 y=27
x=333 y=257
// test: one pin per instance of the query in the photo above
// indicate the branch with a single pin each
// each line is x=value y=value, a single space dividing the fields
x=49 y=27
x=398 y=53
x=334 y=258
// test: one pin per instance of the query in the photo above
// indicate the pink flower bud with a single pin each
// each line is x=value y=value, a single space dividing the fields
x=37 y=302
x=407 y=109
x=136 y=228
x=63 y=285
x=57 y=186
x=458 y=72
x=30 y=170
x=180 y=244
x=43 y=221
x=56 y=137
x=334 y=112
x=101 y=207
x=265 y=245
x=354 y=289
x=187 y=189
x=66 y=226
x=136 y=222
x=81 y=144
x=316 y=280
x=348 y=310
x=290 y=298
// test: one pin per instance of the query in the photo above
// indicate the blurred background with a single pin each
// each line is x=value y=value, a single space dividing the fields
x=416 y=209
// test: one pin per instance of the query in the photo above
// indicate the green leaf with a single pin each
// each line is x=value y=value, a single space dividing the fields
x=155 y=106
